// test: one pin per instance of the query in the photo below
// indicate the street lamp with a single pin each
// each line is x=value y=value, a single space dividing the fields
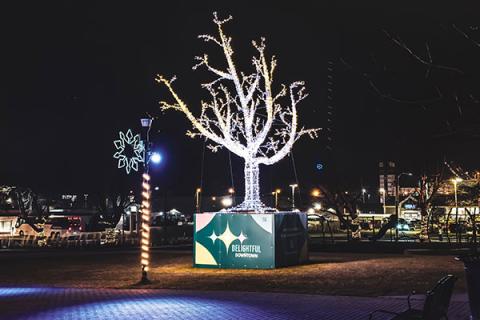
x=276 y=193
x=315 y=193
x=156 y=157
x=363 y=194
x=455 y=182
x=227 y=202
x=197 y=199
x=231 y=191
x=382 y=199
x=397 y=191
x=293 y=186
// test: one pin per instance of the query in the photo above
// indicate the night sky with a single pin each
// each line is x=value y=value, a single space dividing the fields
x=75 y=73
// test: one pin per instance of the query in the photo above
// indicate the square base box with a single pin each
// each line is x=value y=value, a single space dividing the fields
x=249 y=240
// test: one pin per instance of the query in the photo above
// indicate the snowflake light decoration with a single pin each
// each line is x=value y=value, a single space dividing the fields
x=128 y=140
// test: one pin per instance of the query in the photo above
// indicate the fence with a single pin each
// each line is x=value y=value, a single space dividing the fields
x=93 y=239
x=373 y=228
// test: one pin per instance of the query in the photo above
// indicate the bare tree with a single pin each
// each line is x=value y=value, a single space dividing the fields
x=343 y=205
x=244 y=114
x=24 y=199
x=427 y=193
x=469 y=194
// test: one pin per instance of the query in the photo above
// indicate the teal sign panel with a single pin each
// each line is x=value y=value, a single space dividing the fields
x=227 y=240
x=251 y=241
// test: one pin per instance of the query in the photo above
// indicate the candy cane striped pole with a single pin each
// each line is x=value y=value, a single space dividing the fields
x=145 y=242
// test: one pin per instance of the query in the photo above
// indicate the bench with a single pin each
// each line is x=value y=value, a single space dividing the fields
x=435 y=306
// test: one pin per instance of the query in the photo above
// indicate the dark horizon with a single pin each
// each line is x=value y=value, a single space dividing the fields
x=76 y=74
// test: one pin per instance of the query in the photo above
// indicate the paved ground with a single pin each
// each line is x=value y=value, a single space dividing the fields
x=60 y=303
x=339 y=274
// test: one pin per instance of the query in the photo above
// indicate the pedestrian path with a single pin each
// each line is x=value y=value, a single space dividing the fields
x=33 y=303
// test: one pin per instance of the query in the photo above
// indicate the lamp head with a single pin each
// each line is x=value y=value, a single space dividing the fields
x=146 y=122
x=156 y=157
x=227 y=202
x=315 y=193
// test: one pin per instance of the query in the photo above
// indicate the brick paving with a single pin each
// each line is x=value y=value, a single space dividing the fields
x=34 y=303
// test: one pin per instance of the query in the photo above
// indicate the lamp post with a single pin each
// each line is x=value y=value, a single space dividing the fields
x=455 y=182
x=276 y=193
x=363 y=194
x=145 y=242
x=197 y=199
x=231 y=191
x=397 y=191
x=382 y=199
x=293 y=186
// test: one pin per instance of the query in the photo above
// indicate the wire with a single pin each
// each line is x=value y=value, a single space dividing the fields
x=202 y=167
x=231 y=168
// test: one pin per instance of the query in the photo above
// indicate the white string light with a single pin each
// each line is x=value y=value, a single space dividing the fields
x=245 y=120
x=145 y=242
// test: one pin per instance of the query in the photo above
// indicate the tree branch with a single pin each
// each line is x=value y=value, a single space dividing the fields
x=428 y=63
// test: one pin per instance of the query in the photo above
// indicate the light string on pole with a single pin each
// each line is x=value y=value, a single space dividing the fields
x=146 y=205
x=145 y=242
x=141 y=153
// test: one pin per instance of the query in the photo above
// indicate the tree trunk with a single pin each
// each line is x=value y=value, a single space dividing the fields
x=424 y=226
x=252 y=187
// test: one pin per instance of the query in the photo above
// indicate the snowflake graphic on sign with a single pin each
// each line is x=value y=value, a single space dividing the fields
x=130 y=151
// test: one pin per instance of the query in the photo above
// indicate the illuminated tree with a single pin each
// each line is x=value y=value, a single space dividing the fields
x=244 y=115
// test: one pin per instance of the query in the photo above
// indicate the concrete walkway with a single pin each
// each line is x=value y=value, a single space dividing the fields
x=78 y=304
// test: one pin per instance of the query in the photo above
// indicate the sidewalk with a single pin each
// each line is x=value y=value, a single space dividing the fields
x=64 y=303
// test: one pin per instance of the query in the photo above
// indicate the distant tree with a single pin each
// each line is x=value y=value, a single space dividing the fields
x=469 y=193
x=427 y=194
x=343 y=205
x=23 y=199
x=109 y=208
x=469 y=197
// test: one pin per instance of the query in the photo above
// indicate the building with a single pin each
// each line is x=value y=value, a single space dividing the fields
x=387 y=176
x=8 y=218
